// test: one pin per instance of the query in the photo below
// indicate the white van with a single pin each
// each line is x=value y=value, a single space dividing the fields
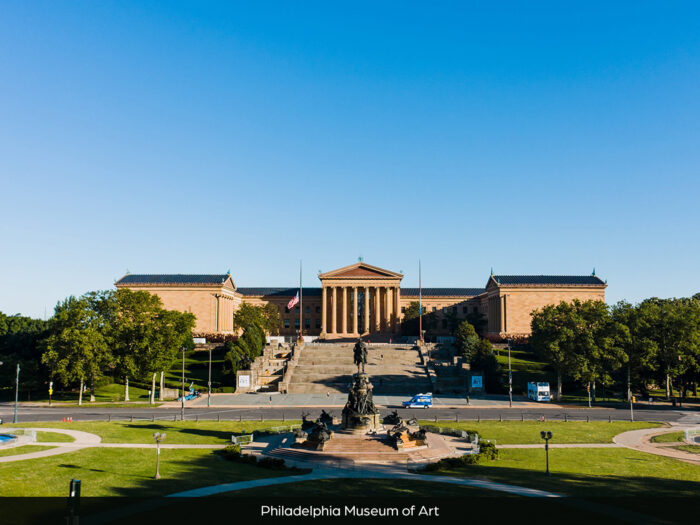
x=538 y=391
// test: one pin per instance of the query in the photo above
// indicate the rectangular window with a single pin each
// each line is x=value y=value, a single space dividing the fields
x=307 y=309
x=465 y=309
x=318 y=323
x=296 y=324
x=307 y=323
x=434 y=309
x=318 y=309
x=444 y=323
x=403 y=309
x=286 y=323
x=475 y=309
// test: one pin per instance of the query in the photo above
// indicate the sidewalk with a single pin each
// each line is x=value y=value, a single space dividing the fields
x=641 y=440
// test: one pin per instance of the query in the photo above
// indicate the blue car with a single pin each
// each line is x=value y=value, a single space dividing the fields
x=420 y=401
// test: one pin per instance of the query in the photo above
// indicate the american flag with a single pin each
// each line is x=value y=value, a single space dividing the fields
x=293 y=302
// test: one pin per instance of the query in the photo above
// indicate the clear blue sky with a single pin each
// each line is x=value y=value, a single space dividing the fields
x=170 y=137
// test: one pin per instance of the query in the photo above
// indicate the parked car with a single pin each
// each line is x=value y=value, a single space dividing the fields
x=419 y=401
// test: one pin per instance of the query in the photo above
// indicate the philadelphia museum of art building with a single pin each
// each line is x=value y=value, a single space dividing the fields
x=366 y=299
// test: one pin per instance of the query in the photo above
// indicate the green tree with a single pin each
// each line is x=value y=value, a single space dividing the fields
x=133 y=332
x=266 y=317
x=171 y=331
x=553 y=338
x=484 y=359
x=640 y=349
x=21 y=342
x=76 y=350
x=673 y=325
x=466 y=340
x=598 y=344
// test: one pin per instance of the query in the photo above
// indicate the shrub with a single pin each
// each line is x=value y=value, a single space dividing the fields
x=271 y=463
x=231 y=452
x=488 y=451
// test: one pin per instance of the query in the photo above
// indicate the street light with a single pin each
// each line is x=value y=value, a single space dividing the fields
x=546 y=435
x=158 y=437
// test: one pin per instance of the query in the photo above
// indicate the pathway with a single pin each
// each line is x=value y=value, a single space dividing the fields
x=81 y=440
x=641 y=440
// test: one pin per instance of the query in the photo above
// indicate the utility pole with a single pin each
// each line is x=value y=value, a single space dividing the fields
x=182 y=408
x=301 y=306
x=14 y=419
x=510 y=379
x=209 y=384
x=420 y=304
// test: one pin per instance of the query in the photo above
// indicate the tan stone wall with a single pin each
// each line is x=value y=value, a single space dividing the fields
x=442 y=306
x=201 y=301
x=512 y=316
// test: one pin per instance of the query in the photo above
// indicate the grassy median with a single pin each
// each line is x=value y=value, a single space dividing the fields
x=528 y=432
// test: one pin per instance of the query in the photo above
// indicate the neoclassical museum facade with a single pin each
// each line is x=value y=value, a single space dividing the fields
x=365 y=299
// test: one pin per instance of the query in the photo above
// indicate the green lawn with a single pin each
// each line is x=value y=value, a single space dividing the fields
x=122 y=472
x=671 y=437
x=620 y=477
x=528 y=432
x=526 y=367
x=22 y=449
x=177 y=432
x=52 y=437
x=694 y=449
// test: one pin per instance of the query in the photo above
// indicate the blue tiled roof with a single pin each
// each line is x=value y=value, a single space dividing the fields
x=286 y=292
x=173 y=279
x=566 y=280
x=440 y=292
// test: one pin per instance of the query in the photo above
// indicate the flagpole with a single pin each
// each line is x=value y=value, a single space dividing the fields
x=301 y=305
x=420 y=304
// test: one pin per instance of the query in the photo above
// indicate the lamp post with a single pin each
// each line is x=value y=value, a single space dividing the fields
x=182 y=398
x=14 y=419
x=158 y=437
x=546 y=435
x=209 y=383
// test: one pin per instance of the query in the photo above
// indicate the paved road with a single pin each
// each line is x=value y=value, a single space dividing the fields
x=27 y=414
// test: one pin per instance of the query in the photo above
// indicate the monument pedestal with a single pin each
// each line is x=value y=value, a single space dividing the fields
x=360 y=415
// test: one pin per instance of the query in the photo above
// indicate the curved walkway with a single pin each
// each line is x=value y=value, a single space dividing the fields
x=641 y=440
x=81 y=440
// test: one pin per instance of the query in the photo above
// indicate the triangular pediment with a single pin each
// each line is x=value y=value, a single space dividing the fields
x=360 y=270
x=228 y=283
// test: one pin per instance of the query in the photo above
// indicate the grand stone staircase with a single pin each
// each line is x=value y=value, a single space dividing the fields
x=393 y=369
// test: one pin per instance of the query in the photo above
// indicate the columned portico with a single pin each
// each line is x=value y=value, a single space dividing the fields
x=373 y=294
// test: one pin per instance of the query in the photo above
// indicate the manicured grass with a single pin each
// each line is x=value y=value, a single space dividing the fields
x=53 y=437
x=122 y=472
x=23 y=449
x=621 y=477
x=694 y=449
x=528 y=432
x=671 y=437
x=177 y=432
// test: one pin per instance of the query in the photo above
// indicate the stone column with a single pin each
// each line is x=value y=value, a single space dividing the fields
x=397 y=307
x=501 y=311
x=377 y=309
x=344 y=324
x=355 y=328
x=324 y=307
x=366 y=310
x=334 y=307
x=390 y=309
